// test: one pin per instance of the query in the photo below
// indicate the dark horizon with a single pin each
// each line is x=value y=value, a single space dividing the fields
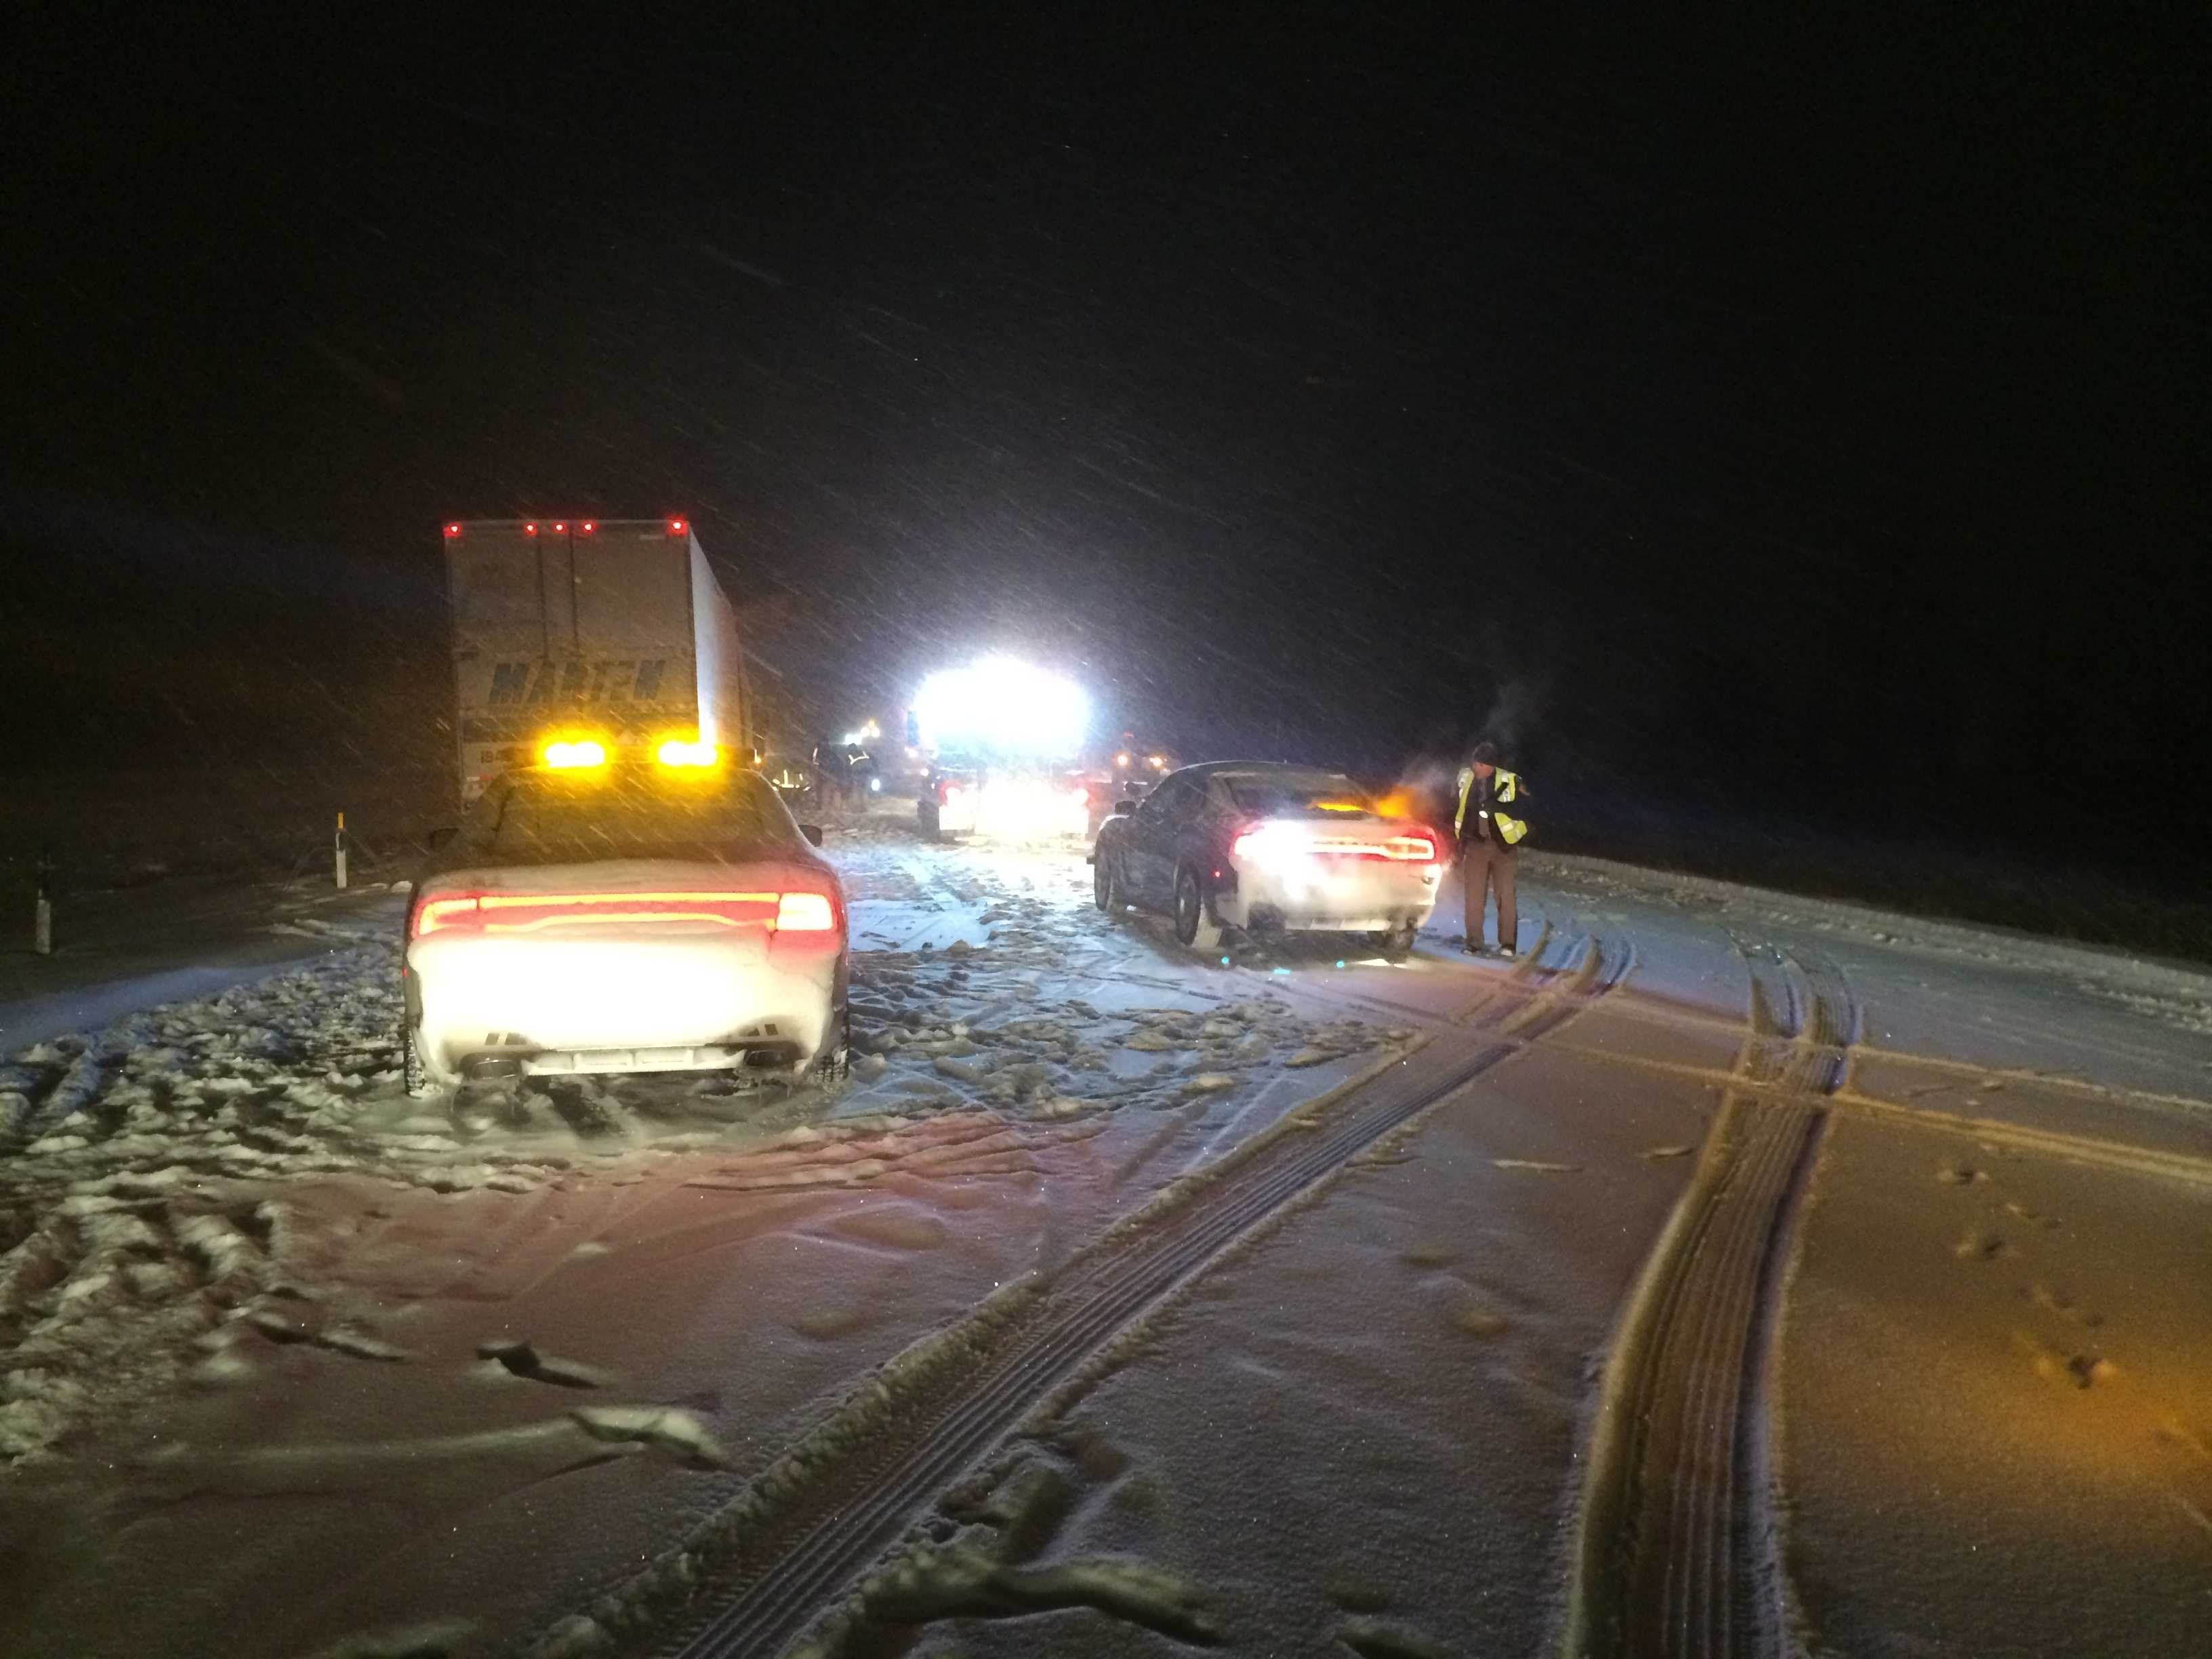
x=1766 y=418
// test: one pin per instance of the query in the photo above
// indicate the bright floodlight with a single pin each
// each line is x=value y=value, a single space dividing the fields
x=1005 y=707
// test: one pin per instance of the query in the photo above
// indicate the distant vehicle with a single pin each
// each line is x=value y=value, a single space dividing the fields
x=1268 y=849
x=1002 y=737
x=1039 y=805
x=591 y=914
x=1009 y=803
x=1137 y=770
x=612 y=629
x=946 y=804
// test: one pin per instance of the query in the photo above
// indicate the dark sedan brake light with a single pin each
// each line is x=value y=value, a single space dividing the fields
x=804 y=913
x=1277 y=838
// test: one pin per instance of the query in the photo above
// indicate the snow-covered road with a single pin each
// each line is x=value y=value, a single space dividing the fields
x=1735 y=1273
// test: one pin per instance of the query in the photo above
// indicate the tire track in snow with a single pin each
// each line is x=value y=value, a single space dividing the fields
x=1515 y=985
x=2135 y=1157
x=1678 y=1552
x=805 y=1530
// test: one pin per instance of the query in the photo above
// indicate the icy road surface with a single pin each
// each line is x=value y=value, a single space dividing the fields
x=1734 y=1274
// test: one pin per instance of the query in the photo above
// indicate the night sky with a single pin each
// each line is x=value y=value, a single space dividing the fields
x=1796 y=419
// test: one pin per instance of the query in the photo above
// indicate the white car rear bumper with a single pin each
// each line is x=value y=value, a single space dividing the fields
x=607 y=1003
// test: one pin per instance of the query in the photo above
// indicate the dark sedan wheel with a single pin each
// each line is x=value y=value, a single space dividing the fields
x=1193 y=925
x=1106 y=883
x=1399 y=941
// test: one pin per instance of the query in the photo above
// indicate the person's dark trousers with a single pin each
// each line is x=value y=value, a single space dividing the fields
x=1484 y=865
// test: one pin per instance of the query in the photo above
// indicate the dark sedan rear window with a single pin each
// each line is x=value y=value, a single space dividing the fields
x=554 y=818
x=1315 y=795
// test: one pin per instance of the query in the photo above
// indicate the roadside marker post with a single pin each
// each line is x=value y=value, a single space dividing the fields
x=338 y=850
x=42 y=924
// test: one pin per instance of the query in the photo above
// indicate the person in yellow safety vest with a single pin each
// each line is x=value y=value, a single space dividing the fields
x=1490 y=826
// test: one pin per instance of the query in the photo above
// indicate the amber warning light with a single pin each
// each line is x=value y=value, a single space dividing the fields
x=580 y=754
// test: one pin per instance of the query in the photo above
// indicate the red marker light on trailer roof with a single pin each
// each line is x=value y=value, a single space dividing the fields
x=530 y=530
x=676 y=526
x=589 y=526
x=452 y=530
x=560 y=529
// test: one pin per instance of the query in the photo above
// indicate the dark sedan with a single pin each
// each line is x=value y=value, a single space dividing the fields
x=1269 y=848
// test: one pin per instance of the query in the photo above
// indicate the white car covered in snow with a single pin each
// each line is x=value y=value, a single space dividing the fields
x=599 y=916
x=1269 y=848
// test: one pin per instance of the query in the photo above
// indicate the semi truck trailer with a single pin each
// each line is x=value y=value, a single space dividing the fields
x=613 y=629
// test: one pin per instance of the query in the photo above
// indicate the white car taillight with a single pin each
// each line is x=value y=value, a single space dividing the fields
x=446 y=910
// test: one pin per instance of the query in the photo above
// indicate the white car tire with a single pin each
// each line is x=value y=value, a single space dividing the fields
x=834 y=1063
x=423 y=1083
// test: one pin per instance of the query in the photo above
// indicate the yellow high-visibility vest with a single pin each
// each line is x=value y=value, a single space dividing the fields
x=1506 y=790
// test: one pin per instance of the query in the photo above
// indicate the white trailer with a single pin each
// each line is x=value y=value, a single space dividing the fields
x=614 y=627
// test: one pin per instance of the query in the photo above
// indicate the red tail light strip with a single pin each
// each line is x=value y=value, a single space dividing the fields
x=527 y=913
x=1412 y=848
x=1288 y=839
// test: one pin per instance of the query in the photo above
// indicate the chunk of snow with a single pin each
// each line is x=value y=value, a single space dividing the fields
x=667 y=1428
